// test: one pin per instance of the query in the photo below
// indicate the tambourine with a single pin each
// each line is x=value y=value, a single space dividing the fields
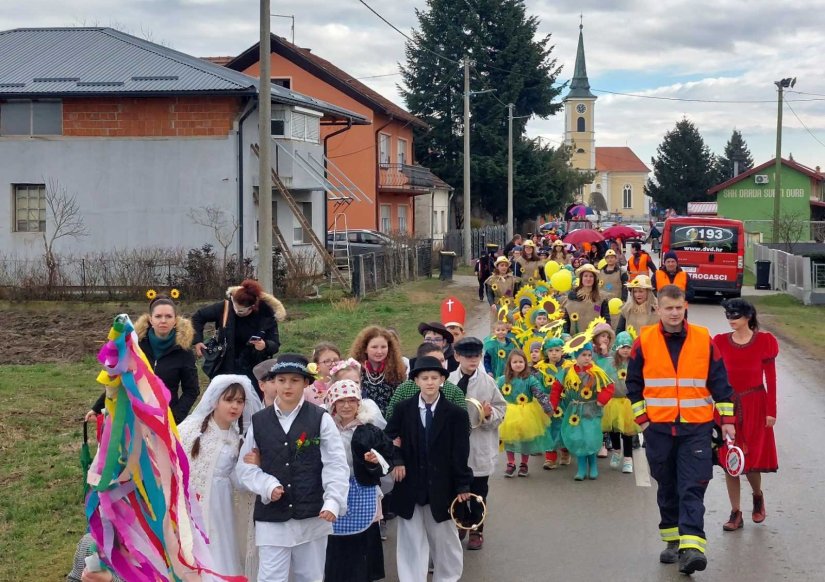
x=475 y=410
x=733 y=459
x=474 y=526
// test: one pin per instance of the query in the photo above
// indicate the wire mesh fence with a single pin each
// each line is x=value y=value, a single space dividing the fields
x=393 y=265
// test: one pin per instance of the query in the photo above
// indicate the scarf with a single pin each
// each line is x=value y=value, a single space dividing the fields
x=378 y=370
x=160 y=347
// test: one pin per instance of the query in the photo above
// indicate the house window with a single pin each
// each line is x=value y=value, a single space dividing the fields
x=386 y=218
x=580 y=124
x=402 y=218
x=299 y=234
x=383 y=148
x=402 y=151
x=443 y=221
x=31 y=118
x=305 y=127
x=30 y=208
x=627 y=196
x=278 y=123
x=284 y=82
x=435 y=222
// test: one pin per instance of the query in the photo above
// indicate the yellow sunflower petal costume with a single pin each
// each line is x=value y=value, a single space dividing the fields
x=525 y=423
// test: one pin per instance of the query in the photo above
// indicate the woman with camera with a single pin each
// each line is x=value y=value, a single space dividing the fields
x=246 y=331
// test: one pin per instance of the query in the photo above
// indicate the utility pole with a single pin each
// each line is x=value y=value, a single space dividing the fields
x=264 y=162
x=468 y=258
x=510 y=171
x=780 y=85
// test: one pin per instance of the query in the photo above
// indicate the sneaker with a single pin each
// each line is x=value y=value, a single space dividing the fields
x=670 y=555
x=476 y=541
x=734 y=522
x=522 y=470
x=564 y=457
x=758 y=514
x=627 y=465
x=510 y=471
x=692 y=560
x=602 y=452
x=615 y=460
x=382 y=529
x=550 y=465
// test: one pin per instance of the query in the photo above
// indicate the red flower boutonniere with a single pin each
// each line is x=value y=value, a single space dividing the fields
x=303 y=442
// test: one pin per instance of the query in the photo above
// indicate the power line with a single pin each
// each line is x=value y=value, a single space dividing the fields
x=803 y=124
x=374 y=76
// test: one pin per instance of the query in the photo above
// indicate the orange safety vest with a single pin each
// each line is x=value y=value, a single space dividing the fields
x=635 y=267
x=662 y=279
x=679 y=395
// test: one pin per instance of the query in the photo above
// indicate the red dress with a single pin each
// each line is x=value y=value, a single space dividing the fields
x=752 y=373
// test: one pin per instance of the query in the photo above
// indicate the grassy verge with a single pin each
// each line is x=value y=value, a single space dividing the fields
x=795 y=322
x=41 y=407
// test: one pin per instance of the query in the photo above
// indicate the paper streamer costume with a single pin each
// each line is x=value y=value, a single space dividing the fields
x=139 y=510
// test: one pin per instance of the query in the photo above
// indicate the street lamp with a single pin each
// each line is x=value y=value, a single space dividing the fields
x=780 y=86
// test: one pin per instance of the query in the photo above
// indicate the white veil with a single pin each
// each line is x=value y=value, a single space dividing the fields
x=212 y=394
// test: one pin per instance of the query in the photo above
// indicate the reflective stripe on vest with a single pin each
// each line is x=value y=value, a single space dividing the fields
x=636 y=267
x=679 y=395
x=680 y=279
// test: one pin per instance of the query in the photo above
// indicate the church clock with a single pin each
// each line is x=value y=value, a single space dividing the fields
x=581 y=108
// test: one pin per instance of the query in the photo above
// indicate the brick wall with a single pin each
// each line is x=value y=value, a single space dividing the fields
x=147 y=117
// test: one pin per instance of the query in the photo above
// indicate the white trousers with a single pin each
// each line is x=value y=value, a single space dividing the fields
x=421 y=537
x=304 y=561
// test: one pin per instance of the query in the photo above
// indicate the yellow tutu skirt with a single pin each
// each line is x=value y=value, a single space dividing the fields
x=617 y=416
x=523 y=422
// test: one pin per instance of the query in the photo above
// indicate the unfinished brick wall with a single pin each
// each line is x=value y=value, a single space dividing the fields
x=149 y=117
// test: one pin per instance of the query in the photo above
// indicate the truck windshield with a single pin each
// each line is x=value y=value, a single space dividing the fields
x=701 y=237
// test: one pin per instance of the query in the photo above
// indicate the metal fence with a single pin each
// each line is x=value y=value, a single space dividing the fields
x=796 y=275
x=480 y=237
x=372 y=272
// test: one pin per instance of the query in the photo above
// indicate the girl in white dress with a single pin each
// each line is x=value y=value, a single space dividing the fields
x=212 y=437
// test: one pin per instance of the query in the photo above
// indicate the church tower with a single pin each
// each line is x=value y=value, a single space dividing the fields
x=579 y=115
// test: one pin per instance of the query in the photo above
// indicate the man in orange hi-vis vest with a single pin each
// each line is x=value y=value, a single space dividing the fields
x=639 y=263
x=675 y=379
x=670 y=273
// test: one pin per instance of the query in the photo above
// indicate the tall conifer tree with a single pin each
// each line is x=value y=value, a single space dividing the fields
x=736 y=150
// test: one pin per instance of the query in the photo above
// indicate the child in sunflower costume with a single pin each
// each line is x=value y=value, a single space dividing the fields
x=497 y=348
x=501 y=283
x=618 y=419
x=583 y=391
x=527 y=418
x=552 y=369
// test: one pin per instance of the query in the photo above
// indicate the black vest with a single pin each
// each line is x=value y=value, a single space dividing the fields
x=299 y=471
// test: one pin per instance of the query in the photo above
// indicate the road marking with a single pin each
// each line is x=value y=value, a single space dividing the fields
x=641 y=470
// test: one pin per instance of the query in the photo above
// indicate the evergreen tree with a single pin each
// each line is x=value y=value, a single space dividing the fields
x=683 y=170
x=508 y=57
x=736 y=150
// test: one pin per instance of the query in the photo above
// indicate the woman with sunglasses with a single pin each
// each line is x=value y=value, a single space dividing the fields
x=251 y=328
x=749 y=356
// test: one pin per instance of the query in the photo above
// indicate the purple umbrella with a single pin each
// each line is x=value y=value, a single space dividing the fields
x=581 y=210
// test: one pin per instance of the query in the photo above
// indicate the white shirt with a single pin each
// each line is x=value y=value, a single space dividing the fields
x=334 y=476
x=422 y=408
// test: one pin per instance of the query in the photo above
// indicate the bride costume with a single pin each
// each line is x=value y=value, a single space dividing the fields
x=226 y=506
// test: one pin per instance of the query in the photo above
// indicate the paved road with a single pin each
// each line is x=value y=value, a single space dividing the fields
x=548 y=527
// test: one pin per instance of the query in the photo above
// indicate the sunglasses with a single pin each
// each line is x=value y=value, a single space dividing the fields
x=734 y=315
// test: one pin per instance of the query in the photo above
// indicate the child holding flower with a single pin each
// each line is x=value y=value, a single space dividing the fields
x=583 y=391
x=552 y=369
x=525 y=422
x=618 y=419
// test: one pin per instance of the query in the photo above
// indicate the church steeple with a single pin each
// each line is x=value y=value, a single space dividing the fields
x=579 y=85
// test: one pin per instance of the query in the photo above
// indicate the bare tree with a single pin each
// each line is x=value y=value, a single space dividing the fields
x=63 y=213
x=223 y=224
x=789 y=230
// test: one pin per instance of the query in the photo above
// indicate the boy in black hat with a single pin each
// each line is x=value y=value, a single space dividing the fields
x=430 y=472
x=483 y=395
x=302 y=480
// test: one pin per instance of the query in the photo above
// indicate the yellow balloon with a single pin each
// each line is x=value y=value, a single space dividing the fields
x=551 y=268
x=562 y=281
x=602 y=264
x=615 y=306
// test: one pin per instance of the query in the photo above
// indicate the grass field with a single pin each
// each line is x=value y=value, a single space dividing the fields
x=789 y=318
x=42 y=406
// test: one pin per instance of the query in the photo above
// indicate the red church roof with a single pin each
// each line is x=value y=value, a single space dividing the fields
x=618 y=159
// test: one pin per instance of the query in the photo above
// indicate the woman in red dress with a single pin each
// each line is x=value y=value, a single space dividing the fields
x=749 y=356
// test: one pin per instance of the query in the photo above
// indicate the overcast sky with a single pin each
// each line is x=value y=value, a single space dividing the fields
x=719 y=50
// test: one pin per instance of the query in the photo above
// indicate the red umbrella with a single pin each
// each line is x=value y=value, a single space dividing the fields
x=584 y=235
x=621 y=231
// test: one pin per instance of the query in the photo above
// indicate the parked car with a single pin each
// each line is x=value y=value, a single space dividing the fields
x=640 y=229
x=361 y=241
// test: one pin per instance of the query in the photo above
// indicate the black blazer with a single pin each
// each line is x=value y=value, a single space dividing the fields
x=448 y=472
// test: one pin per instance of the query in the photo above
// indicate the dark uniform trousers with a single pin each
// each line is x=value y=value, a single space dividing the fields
x=682 y=466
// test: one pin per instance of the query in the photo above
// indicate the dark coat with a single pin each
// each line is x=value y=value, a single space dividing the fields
x=176 y=368
x=448 y=472
x=364 y=438
x=264 y=321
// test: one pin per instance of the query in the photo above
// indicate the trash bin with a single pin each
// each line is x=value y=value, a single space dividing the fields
x=446 y=265
x=763 y=274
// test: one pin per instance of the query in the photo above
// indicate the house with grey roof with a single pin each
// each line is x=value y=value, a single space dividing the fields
x=142 y=135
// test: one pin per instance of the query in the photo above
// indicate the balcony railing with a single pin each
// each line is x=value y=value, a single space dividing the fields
x=405 y=177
